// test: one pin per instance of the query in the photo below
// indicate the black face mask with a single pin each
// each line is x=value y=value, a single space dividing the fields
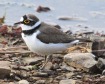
x=27 y=22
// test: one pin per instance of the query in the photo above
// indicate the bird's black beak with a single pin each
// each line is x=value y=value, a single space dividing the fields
x=17 y=23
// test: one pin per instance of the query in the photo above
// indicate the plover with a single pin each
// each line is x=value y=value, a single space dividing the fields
x=42 y=38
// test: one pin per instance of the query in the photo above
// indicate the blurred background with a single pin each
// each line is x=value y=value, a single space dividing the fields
x=89 y=14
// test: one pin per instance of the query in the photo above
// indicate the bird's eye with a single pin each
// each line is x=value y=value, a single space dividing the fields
x=26 y=21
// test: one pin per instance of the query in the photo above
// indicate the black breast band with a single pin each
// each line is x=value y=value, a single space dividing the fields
x=31 y=31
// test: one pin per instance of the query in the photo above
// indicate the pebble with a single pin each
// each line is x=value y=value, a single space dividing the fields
x=40 y=82
x=79 y=77
x=69 y=75
x=48 y=66
x=101 y=64
x=103 y=72
x=60 y=77
x=66 y=67
x=42 y=9
x=32 y=60
x=23 y=82
x=56 y=66
x=68 y=81
x=11 y=83
x=41 y=74
x=71 y=18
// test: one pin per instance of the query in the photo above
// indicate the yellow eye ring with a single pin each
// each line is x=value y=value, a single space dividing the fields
x=26 y=21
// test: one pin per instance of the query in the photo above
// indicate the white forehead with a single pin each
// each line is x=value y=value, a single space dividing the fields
x=21 y=19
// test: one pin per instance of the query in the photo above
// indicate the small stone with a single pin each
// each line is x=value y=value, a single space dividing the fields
x=41 y=74
x=40 y=82
x=66 y=67
x=4 y=68
x=98 y=45
x=48 y=66
x=43 y=9
x=103 y=72
x=71 y=18
x=17 y=78
x=32 y=60
x=101 y=64
x=60 y=77
x=11 y=83
x=69 y=75
x=78 y=76
x=68 y=81
x=56 y=66
x=64 y=18
x=34 y=78
x=29 y=67
x=23 y=82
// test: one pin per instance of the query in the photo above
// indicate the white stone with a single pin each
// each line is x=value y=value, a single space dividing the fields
x=23 y=82
x=68 y=81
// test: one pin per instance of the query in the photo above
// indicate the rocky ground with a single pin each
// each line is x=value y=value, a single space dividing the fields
x=78 y=65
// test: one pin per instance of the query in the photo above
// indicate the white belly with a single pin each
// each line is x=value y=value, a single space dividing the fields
x=36 y=46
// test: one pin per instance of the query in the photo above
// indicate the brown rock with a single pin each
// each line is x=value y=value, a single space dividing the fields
x=43 y=9
x=4 y=68
x=48 y=66
x=98 y=48
x=3 y=29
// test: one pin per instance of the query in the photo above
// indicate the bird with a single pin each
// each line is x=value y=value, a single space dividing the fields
x=42 y=38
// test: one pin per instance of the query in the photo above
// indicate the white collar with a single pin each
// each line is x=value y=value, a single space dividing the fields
x=37 y=24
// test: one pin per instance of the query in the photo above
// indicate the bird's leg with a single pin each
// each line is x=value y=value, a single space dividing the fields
x=47 y=59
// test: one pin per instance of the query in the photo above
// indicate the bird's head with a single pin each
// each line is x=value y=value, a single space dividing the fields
x=28 y=22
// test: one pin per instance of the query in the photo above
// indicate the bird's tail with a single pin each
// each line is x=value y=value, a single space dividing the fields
x=84 y=40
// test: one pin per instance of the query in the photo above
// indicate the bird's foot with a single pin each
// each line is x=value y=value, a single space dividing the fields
x=47 y=59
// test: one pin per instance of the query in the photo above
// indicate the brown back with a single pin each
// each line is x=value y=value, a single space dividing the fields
x=51 y=34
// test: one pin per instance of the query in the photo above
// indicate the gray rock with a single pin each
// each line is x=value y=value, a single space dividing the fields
x=4 y=68
x=56 y=66
x=68 y=81
x=32 y=60
x=48 y=66
x=69 y=75
x=29 y=67
x=23 y=82
x=12 y=83
x=40 y=82
x=101 y=64
x=71 y=18
x=66 y=67
x=43 y=9
x=40 y=74
x=80 y=60
x=62 y=77
x=79 y=76
x=103 y=72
